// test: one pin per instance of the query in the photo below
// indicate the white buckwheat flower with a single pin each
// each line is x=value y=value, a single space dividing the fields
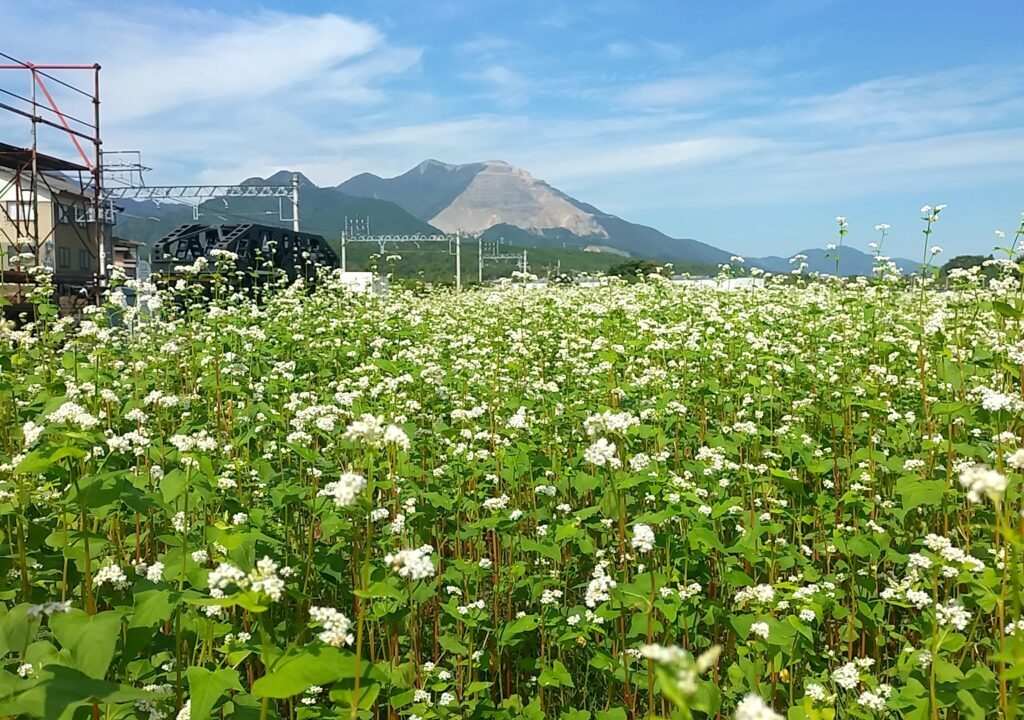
x=601 y=453
x=337 y=627
x=752 y=707
x=643 y=538
x=982 y=482
x=414 y=563
x=345 y=490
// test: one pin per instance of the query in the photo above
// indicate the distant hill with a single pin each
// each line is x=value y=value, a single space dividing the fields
x=499 y=201
x=479 y=196
x=424 y=191
x=851 y=262
x=322 y=211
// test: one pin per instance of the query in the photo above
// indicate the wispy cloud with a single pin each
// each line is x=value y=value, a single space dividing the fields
x=913 y=104
x=484 y=46
x=502 y=84
x=619 y=49
x=638 y=125
x=688 y=90
x=205 y=87
x=687 y=154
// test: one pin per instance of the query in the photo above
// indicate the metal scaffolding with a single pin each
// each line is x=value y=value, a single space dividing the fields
x=33 y=171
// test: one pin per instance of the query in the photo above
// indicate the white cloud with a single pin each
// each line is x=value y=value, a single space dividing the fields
x=236 y=63
x=200 y=89
x=933 y=102
x=676 y=154
x=620 y=49
x=484 y=45
x=215 y=97
x=690 y=90
x=502 y=84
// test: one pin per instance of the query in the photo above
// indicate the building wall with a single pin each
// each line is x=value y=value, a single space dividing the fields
x=10 y=233
x=77 y=257
x=69 y=247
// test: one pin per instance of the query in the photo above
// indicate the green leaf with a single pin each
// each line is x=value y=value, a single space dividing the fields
x=510 y=631
x=946 y=671
x=172 y=485
x=16 y=629
x=152 y=607
x=669 y=687
x=301 y=668
x=57 y=691
x=453 y=645
x=67 y=451
x=549 y=551
x=917 y=492
x=969 y=705
x=346 y=694
x=574 y=714
x=206 y=687
x=585 y=483
x=33 y=464
x=555 y=676
x=1006 y=310
x=89 y=639
x=947 y=408
x=701 y=537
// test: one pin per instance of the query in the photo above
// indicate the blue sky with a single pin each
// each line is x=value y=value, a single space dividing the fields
x=748 y=125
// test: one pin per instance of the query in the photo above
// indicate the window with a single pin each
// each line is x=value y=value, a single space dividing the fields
x=83 y=260
x=62 y=215
x=64 y=257
x=20 y=212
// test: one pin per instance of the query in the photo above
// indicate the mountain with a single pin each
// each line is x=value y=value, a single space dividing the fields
x=502 y=203
x=424 y=191
x=321 y=210
x=851 y=262
x=480 y=196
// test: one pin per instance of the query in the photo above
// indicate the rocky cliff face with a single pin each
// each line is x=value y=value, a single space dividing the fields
x=501 y=193
x=476 y=197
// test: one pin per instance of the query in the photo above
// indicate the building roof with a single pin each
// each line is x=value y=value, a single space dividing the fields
x=122 y=242
x=54 y=182
x=12 y=156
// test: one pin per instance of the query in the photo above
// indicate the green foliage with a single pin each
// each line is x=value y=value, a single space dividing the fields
x=636 y=269
x=637 y=499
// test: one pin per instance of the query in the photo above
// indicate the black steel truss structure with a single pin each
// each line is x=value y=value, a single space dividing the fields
x=259 y=249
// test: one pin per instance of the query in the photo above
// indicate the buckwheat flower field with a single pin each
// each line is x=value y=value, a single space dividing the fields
x=797 y=501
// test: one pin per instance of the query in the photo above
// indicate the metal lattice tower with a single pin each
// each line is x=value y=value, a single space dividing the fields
x=123 y=171
x=357 y=230
x=491 y=251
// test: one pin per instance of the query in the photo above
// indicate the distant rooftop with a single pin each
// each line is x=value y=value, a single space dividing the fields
x=14 y=157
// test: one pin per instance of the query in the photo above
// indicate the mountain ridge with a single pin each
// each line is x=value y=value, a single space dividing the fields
x=322 y=211
x=475 y=197
x=851 y=262
x=506 y=204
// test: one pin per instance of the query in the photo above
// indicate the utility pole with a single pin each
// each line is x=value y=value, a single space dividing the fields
x=458 y=261
x=480 y=259
x=295 y=202
x=344 y=245
x=33 y=190
x=101 y=244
